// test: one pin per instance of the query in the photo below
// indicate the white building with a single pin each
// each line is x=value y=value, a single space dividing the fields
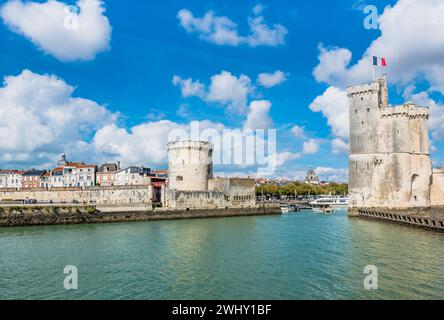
x=10 y=178
x=79 y=175
x=56 y=179
x=72 y=174
x=132 y=176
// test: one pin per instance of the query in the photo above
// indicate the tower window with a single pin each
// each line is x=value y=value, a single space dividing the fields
x=368 y=109
x=362 y=98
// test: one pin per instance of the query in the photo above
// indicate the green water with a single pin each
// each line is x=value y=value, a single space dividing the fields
x=297 y=256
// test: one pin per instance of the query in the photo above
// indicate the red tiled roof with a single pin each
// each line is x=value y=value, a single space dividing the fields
x=79 y=165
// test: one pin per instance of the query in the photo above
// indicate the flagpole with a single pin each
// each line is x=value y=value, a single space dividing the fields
x=373 y=69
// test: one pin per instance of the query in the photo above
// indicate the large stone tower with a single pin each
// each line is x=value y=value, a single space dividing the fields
x=190 y=165
x=389 y=163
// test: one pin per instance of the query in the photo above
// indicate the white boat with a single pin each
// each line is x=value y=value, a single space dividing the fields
x=289 y=208
x=285 y=209
x=325 y=210
x=334 y=202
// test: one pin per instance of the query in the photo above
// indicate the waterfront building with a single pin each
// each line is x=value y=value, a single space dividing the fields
x=105 y=174
x=133 y=176
x=79 y=174
x=389 y=163
x=56 y=179
x=31 y=179
x=45 y=180
x=11 y=179
x=72 y=174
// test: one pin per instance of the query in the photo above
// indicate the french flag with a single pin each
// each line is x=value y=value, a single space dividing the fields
x=380 y=62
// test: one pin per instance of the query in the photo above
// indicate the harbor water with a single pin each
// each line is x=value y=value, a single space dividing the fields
x=296 y=256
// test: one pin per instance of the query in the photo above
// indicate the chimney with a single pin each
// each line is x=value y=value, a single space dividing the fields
x=118 y=165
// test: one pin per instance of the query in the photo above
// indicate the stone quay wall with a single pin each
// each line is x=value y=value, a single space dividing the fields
x=114 y=195
x=51 y=215
x=426 y=218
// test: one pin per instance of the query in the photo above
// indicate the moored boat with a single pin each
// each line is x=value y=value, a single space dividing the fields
x=331 y=201
x=323 y=209
x=289 y=208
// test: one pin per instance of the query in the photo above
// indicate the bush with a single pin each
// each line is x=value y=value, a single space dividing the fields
x=91 y=210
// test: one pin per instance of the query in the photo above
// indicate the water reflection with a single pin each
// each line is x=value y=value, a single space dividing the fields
x=298 y=256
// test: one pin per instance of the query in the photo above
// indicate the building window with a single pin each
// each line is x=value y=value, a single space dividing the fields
x=179 y=178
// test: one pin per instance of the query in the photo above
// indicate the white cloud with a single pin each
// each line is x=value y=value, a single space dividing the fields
x=258 y=9
x=225 y=89
x=332 y=63
x=298 y=131
x=56 y=29
x=189 y=88
x=41 y=119
x=222 y=30
x=340 y=146
x=333 y=104
x=283 y=157
x=269 y=80
x=183 y=111
x=413 y=50
x=311 y=146
x=143 y=143
x=230 y=90
x=332 y=174
x=258 y=115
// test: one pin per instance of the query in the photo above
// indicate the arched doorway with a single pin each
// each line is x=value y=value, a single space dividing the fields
x=415 y=189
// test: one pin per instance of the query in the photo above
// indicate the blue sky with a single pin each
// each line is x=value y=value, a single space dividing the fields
x=131 y=76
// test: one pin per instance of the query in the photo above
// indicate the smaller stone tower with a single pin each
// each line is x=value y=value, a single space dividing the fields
x=190 y=165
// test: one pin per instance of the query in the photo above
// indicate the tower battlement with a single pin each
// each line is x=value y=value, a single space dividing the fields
x=190 y=145
x=363 y=89
x=407 y=110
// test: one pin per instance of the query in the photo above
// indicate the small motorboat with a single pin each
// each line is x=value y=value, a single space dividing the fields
x=285 y=209
x=324 y=209
x=289 y=208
